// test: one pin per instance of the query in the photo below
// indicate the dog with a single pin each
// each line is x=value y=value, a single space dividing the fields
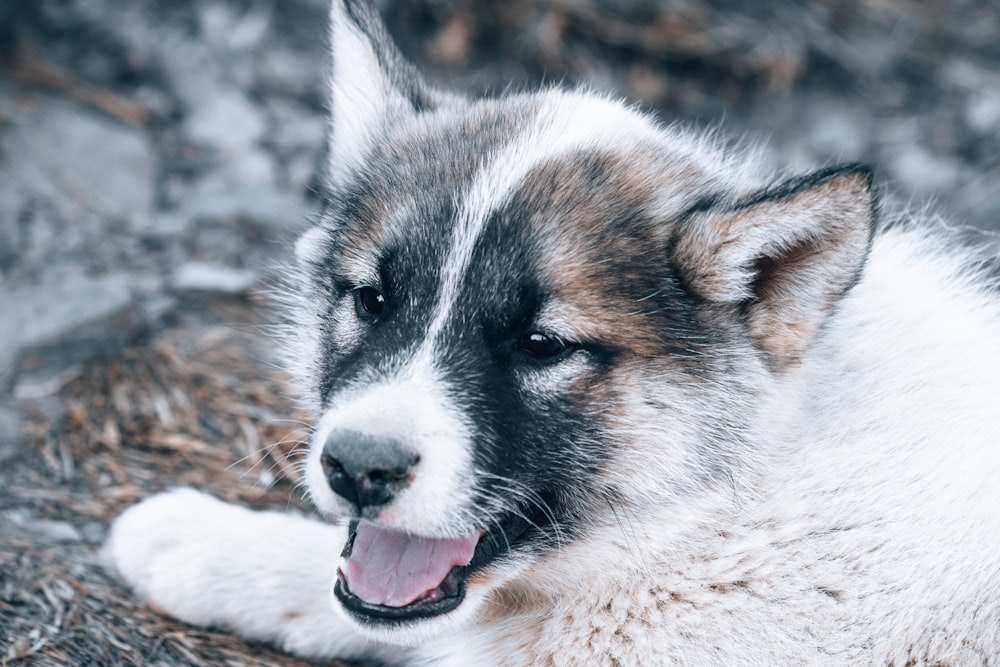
x=593 y=391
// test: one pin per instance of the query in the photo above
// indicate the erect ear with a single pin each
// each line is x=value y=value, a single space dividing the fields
x=786 y=254
x=372 y=85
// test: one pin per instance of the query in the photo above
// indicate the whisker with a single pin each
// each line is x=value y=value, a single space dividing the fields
x=528 y=496
x=610 y=498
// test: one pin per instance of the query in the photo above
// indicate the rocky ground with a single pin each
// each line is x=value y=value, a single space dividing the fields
x=156 y=158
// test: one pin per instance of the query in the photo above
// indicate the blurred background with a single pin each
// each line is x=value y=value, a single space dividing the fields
x=156 y=159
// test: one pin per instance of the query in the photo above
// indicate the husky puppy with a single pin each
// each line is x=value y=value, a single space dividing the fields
x=592 y=391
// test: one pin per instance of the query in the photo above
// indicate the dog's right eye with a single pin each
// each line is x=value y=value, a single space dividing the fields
x=368 y=302
x=544 y=347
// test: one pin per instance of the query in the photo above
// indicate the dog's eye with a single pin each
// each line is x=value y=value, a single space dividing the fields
x=544 y=347
x=369 y=302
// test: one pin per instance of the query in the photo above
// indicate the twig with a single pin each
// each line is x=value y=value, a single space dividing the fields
x=30 y=69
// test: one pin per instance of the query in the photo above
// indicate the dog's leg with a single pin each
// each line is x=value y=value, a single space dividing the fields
x=267 y=576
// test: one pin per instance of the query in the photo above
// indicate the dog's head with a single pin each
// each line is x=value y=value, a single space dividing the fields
x=526 y=319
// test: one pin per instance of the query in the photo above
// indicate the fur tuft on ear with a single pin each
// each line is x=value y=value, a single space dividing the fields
x=786 y=255
x=371 y=85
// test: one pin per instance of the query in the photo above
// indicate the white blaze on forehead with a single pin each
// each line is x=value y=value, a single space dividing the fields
x=565 y=123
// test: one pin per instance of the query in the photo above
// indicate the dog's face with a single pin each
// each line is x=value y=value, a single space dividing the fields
x=526 y=319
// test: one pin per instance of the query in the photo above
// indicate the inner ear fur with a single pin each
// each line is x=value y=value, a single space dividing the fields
x=785 y=255
x=372 y=86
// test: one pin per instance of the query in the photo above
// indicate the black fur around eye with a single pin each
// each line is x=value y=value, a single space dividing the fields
x=544 y=347
x=369 y=302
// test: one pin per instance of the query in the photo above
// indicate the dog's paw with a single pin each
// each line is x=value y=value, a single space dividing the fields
x=265 y=575
x=172 y=550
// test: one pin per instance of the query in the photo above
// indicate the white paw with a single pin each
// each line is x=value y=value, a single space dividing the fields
x=266 y=575
x=172 y=550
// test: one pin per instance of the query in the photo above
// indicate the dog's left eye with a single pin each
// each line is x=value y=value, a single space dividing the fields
x=369 y=302
x=544 y=347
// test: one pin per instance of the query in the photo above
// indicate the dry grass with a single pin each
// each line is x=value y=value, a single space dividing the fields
x=194 y=407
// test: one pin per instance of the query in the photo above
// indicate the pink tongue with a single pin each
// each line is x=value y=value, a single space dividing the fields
x=395 y=569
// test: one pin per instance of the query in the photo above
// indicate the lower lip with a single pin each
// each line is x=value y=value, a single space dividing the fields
x=427 y=607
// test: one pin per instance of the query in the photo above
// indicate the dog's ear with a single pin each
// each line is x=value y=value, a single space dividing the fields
x=372 y=86
x=785 y=255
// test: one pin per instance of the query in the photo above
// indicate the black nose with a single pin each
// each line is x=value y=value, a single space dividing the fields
x=366 y=470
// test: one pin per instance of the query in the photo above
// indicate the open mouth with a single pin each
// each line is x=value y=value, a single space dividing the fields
x=390 y=576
